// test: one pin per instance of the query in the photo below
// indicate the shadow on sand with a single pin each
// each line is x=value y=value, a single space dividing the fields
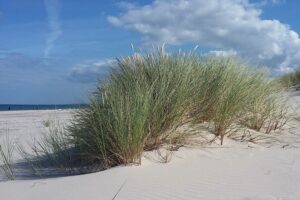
x=40 y=167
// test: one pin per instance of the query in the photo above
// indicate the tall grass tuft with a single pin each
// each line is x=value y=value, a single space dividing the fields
x=54 y=147
x=268 y=110
x=146 y=97
x=291 y=79
x=52 y=154
x=7 y=148
x=143 y=100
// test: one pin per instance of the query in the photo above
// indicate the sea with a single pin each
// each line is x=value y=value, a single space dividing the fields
x=11 y=107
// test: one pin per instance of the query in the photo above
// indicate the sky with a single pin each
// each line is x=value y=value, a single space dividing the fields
x=53 y=51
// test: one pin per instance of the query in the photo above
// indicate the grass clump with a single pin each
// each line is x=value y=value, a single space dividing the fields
x=231 y=93
x=267 y=111
x=146 y=97
x=47 y=123
x=291 y=79
x=52 y=154
x=54 y=147
x=7 y=148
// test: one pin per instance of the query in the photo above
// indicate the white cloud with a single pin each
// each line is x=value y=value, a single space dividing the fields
x=90 y=71
x=229 y=25
x=228 y=53
x=53 y=9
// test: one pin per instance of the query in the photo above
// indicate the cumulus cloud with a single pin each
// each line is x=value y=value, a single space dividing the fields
x=53 y=9
x=231 y=25
x=90 y=71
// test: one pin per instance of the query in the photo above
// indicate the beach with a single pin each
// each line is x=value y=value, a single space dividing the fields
x=150 y=100
x=236 y=170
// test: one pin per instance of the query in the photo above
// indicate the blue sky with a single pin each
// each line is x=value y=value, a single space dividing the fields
x=51 y=51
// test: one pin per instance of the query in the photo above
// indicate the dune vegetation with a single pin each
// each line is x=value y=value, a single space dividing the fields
x=146 y=97
x=291 y=79
x=7 y=148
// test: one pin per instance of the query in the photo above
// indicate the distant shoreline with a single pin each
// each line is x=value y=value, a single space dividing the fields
x=20 y=107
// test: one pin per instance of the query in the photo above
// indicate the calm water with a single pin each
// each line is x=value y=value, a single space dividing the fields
x=7 y=107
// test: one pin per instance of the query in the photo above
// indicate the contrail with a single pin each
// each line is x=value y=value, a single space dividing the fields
x=53 y=9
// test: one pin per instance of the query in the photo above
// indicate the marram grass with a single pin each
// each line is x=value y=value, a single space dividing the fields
x=7 y=148
x=291 y=79
x=146 y=97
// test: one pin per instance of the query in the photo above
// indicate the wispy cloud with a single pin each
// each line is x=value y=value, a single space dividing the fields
x=15 y=60
x=18 y=67
x=53 y=10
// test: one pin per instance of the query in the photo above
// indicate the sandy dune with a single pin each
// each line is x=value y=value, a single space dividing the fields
x=242 y=171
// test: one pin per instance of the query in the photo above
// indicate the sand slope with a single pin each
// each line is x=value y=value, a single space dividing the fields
x=236 y=170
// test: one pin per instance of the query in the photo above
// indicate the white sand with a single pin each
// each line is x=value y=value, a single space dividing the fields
x=234 y=171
